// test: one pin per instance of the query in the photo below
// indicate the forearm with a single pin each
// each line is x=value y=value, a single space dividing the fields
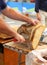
x=5 y=28
x=15 y=15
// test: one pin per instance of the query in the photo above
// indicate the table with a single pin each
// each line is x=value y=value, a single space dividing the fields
x=13 y=47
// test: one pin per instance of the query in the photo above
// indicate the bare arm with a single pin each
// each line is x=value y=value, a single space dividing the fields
x=16 y=15
x=5 y=28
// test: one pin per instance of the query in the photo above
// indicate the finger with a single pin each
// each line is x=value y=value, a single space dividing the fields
x=39 y=61
x=33 y=23
x=42 y=59
x=37 y=21
x=20 y=40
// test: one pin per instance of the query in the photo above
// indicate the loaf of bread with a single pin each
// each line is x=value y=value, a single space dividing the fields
x=5 y=36
x=32 y=34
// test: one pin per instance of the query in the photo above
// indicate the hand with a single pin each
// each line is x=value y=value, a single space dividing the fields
x=19 y=38
x=35 y=21
x=38 y=17
x=39 y=54
x=45 y=63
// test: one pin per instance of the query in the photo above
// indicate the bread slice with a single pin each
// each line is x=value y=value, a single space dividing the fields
x=36 y=36
x=32 y=34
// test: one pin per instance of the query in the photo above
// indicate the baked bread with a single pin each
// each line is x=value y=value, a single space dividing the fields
x=32 y=34
x=5 y=36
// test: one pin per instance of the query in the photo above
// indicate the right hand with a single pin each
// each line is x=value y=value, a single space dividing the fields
x=45 y=63
x=39 y=55
x=19 y=38
x=38 y=17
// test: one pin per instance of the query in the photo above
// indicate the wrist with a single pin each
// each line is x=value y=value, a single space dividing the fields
x=28 y=20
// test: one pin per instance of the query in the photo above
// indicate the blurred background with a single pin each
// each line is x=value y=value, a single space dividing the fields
x=26 y=7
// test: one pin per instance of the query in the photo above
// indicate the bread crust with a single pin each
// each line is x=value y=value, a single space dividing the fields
x=32 y=34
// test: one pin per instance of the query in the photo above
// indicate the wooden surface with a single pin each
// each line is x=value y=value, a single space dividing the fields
x=13 y=45
x=1 y=59
x=11 y=57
